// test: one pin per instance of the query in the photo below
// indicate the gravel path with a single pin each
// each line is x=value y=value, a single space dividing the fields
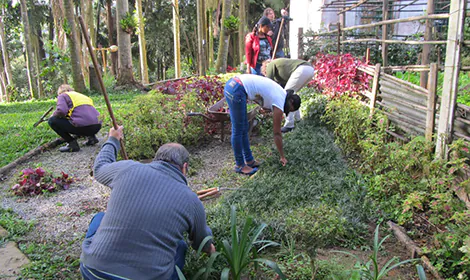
x=64 y=216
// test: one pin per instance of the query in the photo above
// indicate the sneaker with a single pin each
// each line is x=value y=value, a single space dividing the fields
x=92 y=140
x=70 y=147
x=286 y=129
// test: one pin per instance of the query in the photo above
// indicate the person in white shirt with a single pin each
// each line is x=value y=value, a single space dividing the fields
x=269 y=95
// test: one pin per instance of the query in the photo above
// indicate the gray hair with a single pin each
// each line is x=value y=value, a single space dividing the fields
x=173 y=153
x=64 y=88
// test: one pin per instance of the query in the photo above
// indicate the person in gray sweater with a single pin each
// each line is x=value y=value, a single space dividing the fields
x=150 y=208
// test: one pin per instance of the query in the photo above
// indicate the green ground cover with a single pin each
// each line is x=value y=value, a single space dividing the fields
x=17 y=119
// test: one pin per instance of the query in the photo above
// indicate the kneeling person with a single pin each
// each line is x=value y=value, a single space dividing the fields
x=75 y=114
x=149 y=210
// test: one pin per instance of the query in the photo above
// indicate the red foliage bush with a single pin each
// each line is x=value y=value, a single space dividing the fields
x=38 y=181
x=336 y=75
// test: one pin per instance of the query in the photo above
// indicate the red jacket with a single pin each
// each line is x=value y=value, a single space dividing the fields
x=252 y=48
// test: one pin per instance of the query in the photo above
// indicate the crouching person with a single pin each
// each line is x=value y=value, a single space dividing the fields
x=150 y=208
x=75 y=114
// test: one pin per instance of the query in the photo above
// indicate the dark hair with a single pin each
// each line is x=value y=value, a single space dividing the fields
x=293 y=98
x=261 y=22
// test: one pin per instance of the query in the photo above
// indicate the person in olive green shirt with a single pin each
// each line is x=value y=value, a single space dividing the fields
x=290 y=74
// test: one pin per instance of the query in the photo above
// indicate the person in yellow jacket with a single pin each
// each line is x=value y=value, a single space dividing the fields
x=75 y=114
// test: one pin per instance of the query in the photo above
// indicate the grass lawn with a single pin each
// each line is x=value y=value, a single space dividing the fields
x=17 y=119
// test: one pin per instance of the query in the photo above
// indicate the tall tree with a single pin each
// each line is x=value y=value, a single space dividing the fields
x=74 y=46
x=224 y=38
x=201 y=22
x=6 y=59
x=242 y=8
x=144 y=73
x=125 y=71
x=110 y=20
x=60 y=36
x=32 y=75
x=176 y=34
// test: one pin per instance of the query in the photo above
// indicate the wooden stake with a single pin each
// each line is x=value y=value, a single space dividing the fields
x=100 y=79
x=367 y=56
x=431 y=108
x=375 y=89
x=300 y=36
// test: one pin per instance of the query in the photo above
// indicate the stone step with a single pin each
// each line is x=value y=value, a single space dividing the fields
x=12 y=259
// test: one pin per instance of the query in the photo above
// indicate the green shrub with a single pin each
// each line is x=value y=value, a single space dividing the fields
x=155 y=119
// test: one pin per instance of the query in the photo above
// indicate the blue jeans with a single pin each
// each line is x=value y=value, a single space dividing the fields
x=235 y=95
x=89 y=273
x=280 y=53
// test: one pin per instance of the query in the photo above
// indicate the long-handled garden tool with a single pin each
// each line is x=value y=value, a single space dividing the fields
x=100 y=80
x=43 y=117
x=212 y=192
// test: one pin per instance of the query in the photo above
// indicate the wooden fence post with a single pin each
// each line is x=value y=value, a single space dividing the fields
x=375 y=89
x=300 y=44
x=427 y=48
x=339 y=39
x=367 y=56
x=431 y=106
x=451 y=76
x=385 y=33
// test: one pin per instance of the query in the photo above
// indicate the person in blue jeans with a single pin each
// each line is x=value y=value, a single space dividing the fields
x=141 y=236
x=270 y=96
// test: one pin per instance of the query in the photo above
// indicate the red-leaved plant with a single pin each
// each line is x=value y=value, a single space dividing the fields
x=336 y=75
x=38 y=181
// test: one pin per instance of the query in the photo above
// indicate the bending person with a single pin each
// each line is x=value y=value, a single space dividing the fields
x=268 y=95
x=291 y=74
x=258 y=46
x=149 y=210
x=75 y=114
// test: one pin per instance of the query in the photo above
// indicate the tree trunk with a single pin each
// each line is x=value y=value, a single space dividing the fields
x=4 y=94
x=144 y=73
x=60 y=39
x=176 y=39
x=84 y=55
x=98 y=13
x=211 y=38
x=36 y=41
x=111 y=37
x=125 y=71
x=33 y=85
x=6 y=59
x=201 y=54
x=90 y=21
x=74 y=46
x=224 y=39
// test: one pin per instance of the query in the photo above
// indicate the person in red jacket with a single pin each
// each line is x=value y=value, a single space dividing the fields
x=258 y=46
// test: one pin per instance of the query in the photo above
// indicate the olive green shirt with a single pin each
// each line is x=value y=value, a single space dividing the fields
x=280 y=69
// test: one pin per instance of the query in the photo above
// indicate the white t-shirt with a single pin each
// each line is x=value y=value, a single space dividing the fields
x=264 y=91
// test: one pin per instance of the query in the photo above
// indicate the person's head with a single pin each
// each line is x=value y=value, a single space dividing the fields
x=269 y=13
x=264 y=25
x=175 y=154
x=292 y=102
x=264 y=65
x=64 y=88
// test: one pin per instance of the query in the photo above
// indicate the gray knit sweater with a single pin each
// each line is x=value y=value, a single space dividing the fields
x=149 y=209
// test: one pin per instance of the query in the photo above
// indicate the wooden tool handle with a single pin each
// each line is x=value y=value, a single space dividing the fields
x=205 y=191
x=211 y=193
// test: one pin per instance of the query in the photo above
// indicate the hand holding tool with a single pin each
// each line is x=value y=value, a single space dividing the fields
x=43 y=117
